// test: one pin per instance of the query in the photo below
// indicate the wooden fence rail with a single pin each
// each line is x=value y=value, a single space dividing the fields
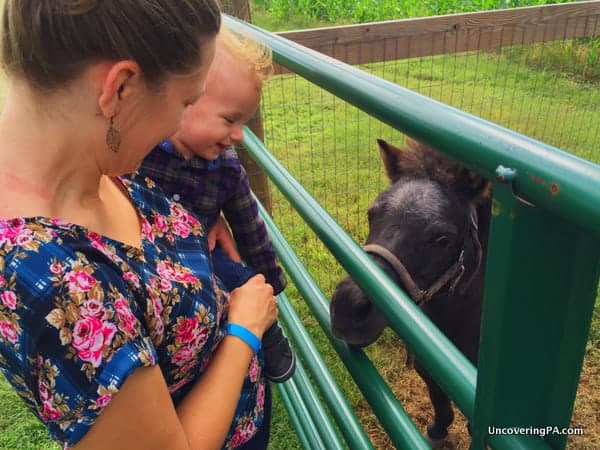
x=453 y=33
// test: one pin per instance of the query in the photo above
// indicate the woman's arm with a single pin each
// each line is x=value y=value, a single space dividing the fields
x=142 y=415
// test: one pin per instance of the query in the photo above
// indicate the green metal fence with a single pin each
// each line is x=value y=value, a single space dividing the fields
x=542 y=272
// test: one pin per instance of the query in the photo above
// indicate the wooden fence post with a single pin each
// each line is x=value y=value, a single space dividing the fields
x=259 y=182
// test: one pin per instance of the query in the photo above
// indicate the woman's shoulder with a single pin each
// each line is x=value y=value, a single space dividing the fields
x=70 y=329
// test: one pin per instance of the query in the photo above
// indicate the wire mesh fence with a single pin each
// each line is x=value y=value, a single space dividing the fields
x=548 y=90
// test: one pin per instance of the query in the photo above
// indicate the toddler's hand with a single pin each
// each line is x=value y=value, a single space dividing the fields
x=219 y=233
x=253 y=305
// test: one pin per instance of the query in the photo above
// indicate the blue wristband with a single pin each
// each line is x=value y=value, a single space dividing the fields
x=245 y=335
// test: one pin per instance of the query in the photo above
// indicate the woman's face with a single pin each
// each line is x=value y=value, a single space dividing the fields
x=156 y=115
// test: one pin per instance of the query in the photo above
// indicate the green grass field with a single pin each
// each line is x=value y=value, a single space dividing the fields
x=330 y=147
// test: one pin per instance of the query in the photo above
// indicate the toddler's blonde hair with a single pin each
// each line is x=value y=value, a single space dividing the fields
x=248 y=52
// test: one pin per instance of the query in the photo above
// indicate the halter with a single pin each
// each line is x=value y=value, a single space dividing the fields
x=452 y=275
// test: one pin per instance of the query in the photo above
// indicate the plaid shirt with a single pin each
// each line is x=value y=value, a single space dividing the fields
x=211 y=187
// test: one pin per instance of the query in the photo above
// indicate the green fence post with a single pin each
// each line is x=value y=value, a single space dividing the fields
x=540 y=287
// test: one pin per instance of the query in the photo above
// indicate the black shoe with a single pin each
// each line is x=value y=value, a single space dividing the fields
x=280 y=361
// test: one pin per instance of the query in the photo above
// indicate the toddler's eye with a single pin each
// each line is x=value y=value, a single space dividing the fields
x=229 y=120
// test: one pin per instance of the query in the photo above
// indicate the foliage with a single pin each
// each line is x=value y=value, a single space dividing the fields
x=578 y=59
x=360 y=11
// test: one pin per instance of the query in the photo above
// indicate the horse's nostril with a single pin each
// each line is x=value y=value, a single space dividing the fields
x=362 y=309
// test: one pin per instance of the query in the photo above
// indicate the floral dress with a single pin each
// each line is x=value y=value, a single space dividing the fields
x=79 y=312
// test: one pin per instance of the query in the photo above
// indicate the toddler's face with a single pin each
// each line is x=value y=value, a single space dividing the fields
x=216 y=120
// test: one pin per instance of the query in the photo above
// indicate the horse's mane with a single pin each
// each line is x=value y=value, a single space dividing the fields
x=422 y=161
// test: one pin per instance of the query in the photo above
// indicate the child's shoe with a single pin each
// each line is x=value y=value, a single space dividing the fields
x=280 y=361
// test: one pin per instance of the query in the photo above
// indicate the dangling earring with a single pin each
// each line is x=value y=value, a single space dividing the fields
x=113 y=137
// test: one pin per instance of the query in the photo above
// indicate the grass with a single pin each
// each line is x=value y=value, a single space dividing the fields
x=360 y=11
x=329 y=146
x=546 y=91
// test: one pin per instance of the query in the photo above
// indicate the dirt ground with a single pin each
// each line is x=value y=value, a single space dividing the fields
x=412 y=393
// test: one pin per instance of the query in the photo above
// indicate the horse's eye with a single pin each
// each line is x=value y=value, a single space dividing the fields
x=442 y=240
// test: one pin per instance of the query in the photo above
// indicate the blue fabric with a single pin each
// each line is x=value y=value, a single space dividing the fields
x=79 y=312
x=231 y=273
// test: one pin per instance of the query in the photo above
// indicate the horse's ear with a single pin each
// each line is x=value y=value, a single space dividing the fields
x=390 y=155
x=476 y=187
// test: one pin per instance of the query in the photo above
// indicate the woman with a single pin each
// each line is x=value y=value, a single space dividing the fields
x=109 y=311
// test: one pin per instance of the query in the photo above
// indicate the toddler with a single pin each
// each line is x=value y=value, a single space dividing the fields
x=199 y=168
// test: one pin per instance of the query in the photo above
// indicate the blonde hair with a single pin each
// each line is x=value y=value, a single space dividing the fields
x=257 y=57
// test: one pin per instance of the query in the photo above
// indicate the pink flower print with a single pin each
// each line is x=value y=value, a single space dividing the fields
x=90 y=337
x=60 y=223
x=201 y=337
x=14 y=228
x=132 y=278
x=126 y=317
x=161 y=223
x=103 y=248
x=178 y=385
x=1 y=281
x=93 y=236
x=237 y=439
x=44 y=391
x=191 y=219
x=9 y=298
x=57 y=268
x=103 y=400
x=157 y=304
x=159 y=326
x=178 y=211
x=249 y=429
x=79 y=280
x=181 y=228
x=260 y=396
x=24 y=238
x=243 y=434
x=147 y=230
x=186 y=278
x=165 y=285
x=188 y=331
x=183 y=355
x=165 y=269
x=190 y=366
x=253 y=370
x=8 y=331
x=92 y=308
x=49 y=413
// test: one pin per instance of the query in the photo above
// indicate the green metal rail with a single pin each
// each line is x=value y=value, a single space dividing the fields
x=340 y=410
x=388 y=410
x=543 y=260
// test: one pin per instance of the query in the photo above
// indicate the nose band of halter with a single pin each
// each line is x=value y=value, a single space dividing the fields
x=418 y=295
x=455 y=272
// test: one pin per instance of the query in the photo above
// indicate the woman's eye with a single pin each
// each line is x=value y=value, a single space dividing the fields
x=441 y=240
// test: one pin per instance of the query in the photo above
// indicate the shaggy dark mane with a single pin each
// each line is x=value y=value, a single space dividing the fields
x=420 y=160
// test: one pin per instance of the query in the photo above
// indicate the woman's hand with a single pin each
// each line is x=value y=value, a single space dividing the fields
x=253 y=305
x=220 y=233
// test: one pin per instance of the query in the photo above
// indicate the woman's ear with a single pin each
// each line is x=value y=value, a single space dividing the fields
x=118 y=83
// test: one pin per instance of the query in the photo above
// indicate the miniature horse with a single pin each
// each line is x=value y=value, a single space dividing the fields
x=428 y=231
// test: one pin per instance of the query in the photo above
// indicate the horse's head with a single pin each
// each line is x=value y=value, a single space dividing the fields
x=423 y=231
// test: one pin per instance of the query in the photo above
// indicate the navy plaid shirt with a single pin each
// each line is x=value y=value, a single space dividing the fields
x=210 y=187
